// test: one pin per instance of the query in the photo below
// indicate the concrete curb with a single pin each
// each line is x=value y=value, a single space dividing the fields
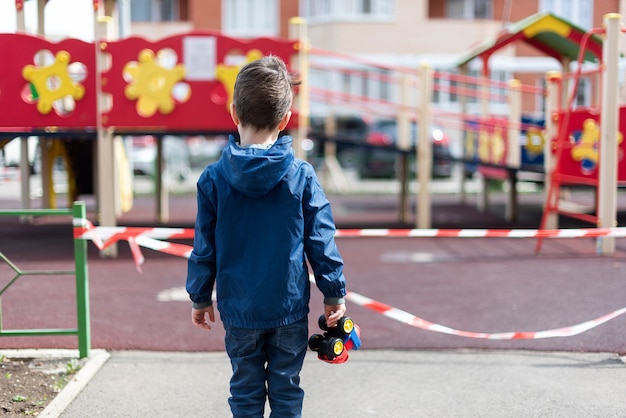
x=93 y=364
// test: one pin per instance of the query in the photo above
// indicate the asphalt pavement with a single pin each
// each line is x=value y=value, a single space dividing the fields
x=379 y=382
x=376 y=383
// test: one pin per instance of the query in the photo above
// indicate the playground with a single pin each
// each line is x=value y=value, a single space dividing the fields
x=80 y=99
x=483 y=264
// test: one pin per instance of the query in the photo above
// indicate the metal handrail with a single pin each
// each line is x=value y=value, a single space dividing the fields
x=83 y=328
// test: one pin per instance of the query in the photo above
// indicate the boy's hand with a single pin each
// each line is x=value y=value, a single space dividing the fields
x=333 y=314
x=198 y=317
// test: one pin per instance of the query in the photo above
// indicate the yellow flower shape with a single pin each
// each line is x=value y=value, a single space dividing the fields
x=587 y=148
x=151 y=84
x=52 y=82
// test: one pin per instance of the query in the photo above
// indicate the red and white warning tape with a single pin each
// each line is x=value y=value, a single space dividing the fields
x=150 y=238
x=107 y=235
x=103 y=236
x=484 y=233
x=110 y=235
x=415 y=321
x=180 y=250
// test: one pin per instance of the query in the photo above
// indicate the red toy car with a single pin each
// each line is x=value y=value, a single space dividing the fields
x=334 y=344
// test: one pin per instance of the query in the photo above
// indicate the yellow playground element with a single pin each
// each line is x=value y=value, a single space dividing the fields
x=52 y=82
x=151 y=84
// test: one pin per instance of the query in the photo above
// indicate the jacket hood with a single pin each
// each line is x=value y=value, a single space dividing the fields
x=256 y=171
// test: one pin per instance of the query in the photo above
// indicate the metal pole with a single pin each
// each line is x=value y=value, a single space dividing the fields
x=553 y=81
x=298 y=30
x=483 y=194
x=514 y=158
x=161 y=183
x=105 y=151
x=607 y=187
x=20 y=18
x=404 y=143
x=46 y=166
x=464 y=84
x=82 y=284
x=25 y=178
x=424 y=148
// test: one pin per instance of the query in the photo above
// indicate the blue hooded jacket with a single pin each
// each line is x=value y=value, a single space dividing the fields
x=262 y=214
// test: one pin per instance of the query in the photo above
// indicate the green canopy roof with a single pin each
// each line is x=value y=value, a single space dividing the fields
x=550 y=34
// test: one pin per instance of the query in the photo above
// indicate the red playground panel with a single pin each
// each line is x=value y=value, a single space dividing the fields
x=580 y=149
x=182 y=83
x=45 y=85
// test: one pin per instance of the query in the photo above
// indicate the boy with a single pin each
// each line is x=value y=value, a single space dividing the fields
x=261 y=215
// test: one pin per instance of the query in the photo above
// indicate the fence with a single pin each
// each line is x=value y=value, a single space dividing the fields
x=83 y=331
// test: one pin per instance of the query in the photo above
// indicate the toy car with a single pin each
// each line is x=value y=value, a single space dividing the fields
x=334 y=344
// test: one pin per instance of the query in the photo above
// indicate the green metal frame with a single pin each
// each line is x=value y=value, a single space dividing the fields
x=83 y=329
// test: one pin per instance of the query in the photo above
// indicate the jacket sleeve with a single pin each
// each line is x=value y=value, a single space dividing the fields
x=319 y=242
x=201 y=264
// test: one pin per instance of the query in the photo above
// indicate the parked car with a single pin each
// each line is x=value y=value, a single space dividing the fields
x=176 y=155
x=12 y=151
x=381 y=160
x=350 y=136
x=369 y=146
x=205 y=150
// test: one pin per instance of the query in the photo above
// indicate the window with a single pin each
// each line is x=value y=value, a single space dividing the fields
x=250 y=18
x=451 y=88
x=540 y=99
x=346 y=82
x=468 y=9
x=154 y=10
x=579 y=12
x=365 y=84
x=583 y=93
x=500 y=88
x=324 y=10
x=384 y=87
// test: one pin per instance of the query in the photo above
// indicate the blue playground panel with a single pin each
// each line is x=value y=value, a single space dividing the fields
x=532 y=140
x=530 y=155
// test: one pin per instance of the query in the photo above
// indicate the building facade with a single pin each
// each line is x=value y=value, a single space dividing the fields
x=393 y=32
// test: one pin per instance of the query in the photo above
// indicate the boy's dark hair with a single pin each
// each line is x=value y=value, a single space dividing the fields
x=263 y=93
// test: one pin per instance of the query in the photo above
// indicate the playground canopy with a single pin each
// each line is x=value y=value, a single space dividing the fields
x=548 y=33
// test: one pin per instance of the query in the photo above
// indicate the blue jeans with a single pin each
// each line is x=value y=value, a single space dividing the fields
x=267 y=356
